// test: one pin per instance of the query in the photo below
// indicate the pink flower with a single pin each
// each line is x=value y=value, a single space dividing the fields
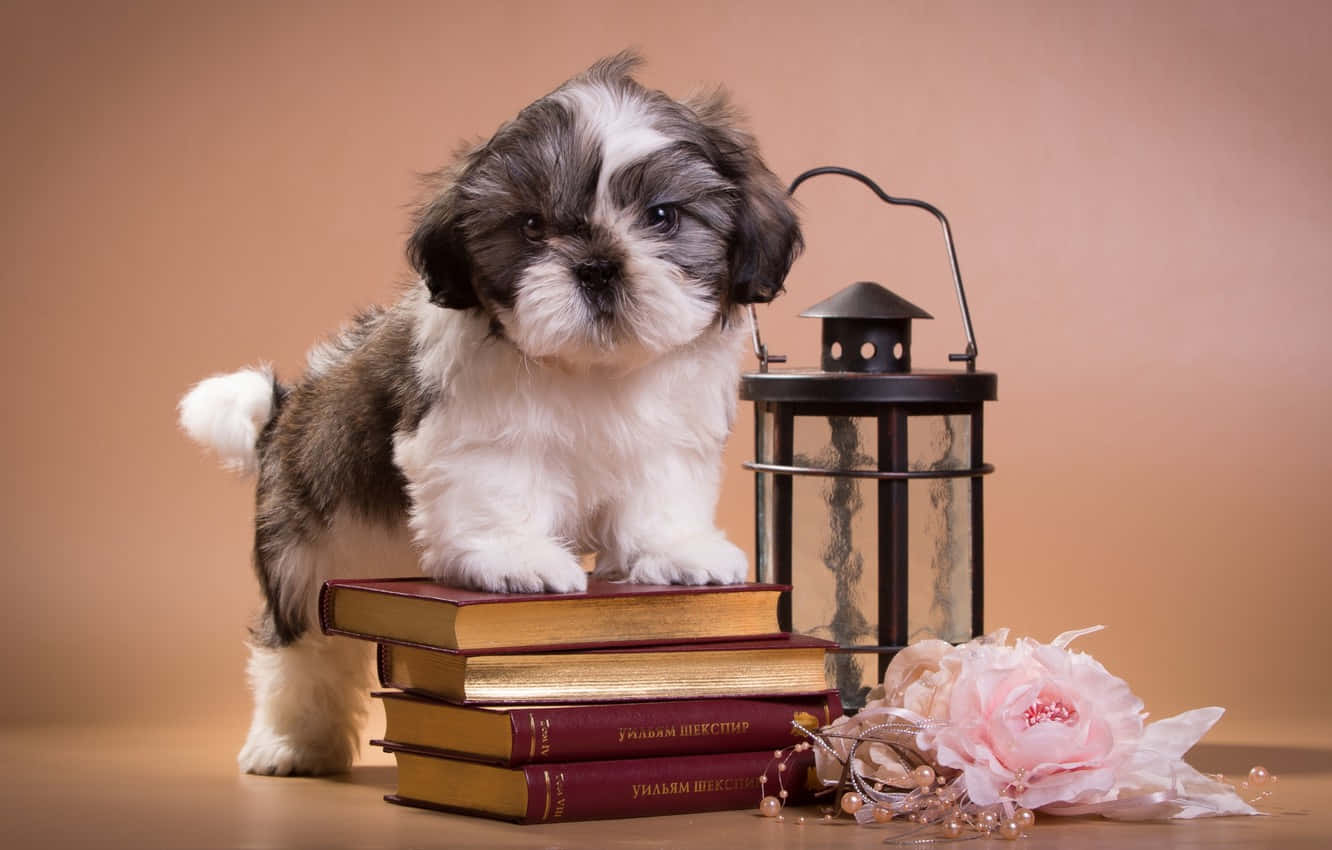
x=1031 y=723
x=913 y=681
x=1034 y=723
x=874 y=759
x=919 y=679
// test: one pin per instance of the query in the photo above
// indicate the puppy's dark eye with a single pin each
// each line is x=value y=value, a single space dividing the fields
x=534 y=227
x=663 y=218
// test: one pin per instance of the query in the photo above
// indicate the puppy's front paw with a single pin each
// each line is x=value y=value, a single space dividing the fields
x=705 y=559
x=268 y=753
x=533 y=565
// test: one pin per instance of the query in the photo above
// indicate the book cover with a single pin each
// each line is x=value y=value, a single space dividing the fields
x=591 y=790
x=793 y=664
x=518 y=735
x=417 y=612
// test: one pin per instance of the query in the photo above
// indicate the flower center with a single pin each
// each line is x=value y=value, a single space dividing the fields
x=1048 y=712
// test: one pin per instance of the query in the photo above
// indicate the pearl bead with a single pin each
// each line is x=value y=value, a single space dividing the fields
x=783 y=793
x=988 y=820
x=1009 y=829
x=882 y=815
x=1258 y=775
x=1025 y=817
x=923 y=776
x=770 y=807
x=776 y=754
x=801 y=820
x=851 y=802
x=952 y=827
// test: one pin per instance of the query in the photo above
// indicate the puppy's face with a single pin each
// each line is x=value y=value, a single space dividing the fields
x=608 y=223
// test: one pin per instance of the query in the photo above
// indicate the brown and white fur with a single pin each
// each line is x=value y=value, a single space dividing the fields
x=560 y=381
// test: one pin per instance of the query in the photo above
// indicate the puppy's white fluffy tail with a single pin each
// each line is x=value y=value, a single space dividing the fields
x=226 y=413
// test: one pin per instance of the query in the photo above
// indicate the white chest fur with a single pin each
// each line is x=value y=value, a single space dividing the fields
x=516 y=448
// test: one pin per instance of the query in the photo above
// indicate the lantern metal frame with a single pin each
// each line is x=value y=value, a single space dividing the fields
x=889 y=399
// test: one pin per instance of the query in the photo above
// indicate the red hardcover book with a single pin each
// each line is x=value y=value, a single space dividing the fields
x=417 y=612
x=792 y=664
x=591 y=790
x=519 y=735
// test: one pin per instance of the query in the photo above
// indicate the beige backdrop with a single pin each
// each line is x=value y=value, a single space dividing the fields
x=1140 y=194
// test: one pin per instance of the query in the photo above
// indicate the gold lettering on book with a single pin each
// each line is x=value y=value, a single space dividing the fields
x=734 y=783
x=545 y=736
x=645 y=733
x=657 y=789
x=683 y=730
x=531 y=747
x=724 y=727
x=697 y=786
x=560 y=799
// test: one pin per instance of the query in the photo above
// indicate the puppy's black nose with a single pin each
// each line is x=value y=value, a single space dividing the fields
x=597 y=274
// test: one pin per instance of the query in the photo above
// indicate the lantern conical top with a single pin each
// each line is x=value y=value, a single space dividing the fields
x=865 y=300
x=866 y=328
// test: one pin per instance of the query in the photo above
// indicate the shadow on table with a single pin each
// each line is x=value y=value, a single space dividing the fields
x=384 y=776
x=1238 y=758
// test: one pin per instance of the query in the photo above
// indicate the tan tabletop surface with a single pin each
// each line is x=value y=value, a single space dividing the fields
x=179 y=789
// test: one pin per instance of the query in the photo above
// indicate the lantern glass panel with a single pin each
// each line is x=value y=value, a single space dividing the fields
x=835 y=544
x=939 y=523
x=765 y=498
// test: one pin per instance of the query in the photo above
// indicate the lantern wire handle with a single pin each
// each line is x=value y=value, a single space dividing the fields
x=761 y=350
x=970 y=355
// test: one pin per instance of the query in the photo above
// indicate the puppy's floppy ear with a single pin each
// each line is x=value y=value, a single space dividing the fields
x=766 y=239
x=438 y=252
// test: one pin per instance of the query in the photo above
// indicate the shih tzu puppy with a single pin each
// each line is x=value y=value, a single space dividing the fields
x=560 y=381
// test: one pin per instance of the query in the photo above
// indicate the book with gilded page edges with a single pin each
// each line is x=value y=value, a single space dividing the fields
x=792 y=664
x=589 y=790
x=417 y=612
x=518 y=735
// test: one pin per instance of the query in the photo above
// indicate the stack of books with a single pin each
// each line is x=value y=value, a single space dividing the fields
x=622 y=701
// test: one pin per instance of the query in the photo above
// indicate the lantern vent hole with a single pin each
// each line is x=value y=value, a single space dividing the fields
x=897 y=351
x=835 y=351
x=867 y=351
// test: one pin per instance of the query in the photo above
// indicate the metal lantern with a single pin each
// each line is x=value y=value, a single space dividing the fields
x=868 y=479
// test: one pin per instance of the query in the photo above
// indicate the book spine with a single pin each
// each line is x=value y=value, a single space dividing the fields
x=329 y=626
x=636 y=730
x=664 y=786
x=383 y=664
x=326 y=592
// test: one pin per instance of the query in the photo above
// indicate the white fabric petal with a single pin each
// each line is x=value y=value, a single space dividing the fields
x=1172 y=737
x=1068 y=637
x=1189 y=794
